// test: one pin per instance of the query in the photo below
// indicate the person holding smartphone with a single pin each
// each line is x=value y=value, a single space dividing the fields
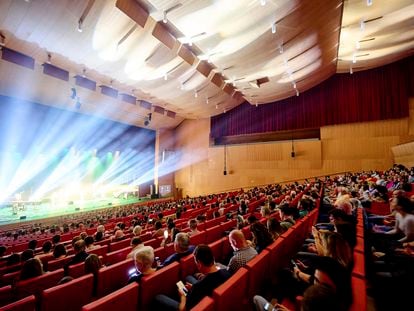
x=193 y=293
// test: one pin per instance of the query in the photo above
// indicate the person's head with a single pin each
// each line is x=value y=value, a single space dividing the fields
x=47 y=247
x=181 y=242
x=192 y=223
x=119 y=234
x=56 y=239
x=26 y=255
x=89 y=241
x=335 y=246
x=59 y=251
x=402 y=205
x=158 y=225
x=79 y=246
x=100 y=228
x=261 y=235
x=237 y=239
x=92 y=264
x=251 y=219
x=135 y=241
x=319 y=297
x=204 y=258
x=265 y=211
x=3 y=250
x=99 y=236
x=273 y=225
x=31 y=268
x=137 y=230
x=75 y=239
x=144 y=258
x=32 y=244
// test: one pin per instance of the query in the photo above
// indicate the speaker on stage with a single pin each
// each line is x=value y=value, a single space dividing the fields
x=77 y=208
x=22 y=217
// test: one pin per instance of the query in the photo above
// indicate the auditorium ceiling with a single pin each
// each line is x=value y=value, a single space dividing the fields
x=195 y=58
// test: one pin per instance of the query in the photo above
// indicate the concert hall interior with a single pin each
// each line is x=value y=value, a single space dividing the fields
x=131 y=122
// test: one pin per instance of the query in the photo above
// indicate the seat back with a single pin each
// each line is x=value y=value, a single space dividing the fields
x=78 y=292
x=188 y=266
x=36 y=285
x=213 y=234
x=199 y=238
x=258 y=269
x=76 y=270
x=125 y=299
x=26 y=304
x=113 y=277
x=5 y=294
x=119 y=245
x=117 y=256
x=232 y=294
x=359 y=294
x=217 y=249
x=53 y=265
x=205 y=304
x=162 y=281
x=100 y=251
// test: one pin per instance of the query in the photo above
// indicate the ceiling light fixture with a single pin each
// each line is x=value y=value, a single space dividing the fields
x=84 y=73
x=80 y=25
x=354 y=58
x=351 y=71
x=195 y=94
x=164 y=17
x=362 y=25
x=274 y=28
x=166 y=76
x=357 y=45
x=217 y=106
x=207 y=100
x=257 y=105
x=262 y=2
x=297 y=92
x=49 y=58
x=369 y=2
x=294 y=84
x=281 y=49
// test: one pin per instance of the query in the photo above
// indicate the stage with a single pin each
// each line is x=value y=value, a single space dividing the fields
x=22 y=211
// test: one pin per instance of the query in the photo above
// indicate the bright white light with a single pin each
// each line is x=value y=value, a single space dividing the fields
x=166 y=77
x=354 y=58
x=357 y=45
x=369 y=2
x=164 y=18
x=274 y=28
x=362 y=25
x=297 y=92
x=262 y=2
x=195 y=94
x=351 y=71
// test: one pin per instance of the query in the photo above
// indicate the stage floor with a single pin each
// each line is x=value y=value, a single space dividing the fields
x=46 y=210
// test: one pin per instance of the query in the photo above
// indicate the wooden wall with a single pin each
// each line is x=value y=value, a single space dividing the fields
x=349 y=147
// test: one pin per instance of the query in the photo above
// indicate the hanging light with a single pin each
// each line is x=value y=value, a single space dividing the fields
x=351 y=71
x=354 y=58
x=80 y=25
x=164 y=17
x=274 y=28
x=297 y=92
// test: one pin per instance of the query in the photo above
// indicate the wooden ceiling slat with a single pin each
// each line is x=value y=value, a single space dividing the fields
x=133 y=10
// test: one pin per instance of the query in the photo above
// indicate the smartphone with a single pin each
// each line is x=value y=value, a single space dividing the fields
x=294 y=263
x=181 y=286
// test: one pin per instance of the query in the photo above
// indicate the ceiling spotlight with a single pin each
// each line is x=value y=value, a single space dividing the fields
x=274 y=28
x=224 y=110
x=281 y=48
x=262 y=2
x=166 y=76
x=294 y=85
x=362 y=25
x=351 y=71
x=357 y=45
x=354 y=58
x=49 y=58
x=195 y=94
x=257 y=105
x=297 y=92
x=369 y=2
x=216 y=106
x=164 y=17
x=207 y=100
x=80 y=25
x=84 y=73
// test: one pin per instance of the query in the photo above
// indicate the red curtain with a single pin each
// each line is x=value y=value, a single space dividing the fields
x=376 y=94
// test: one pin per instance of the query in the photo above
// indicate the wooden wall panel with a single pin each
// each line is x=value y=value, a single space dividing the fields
x=349 y=147
x=404 y=154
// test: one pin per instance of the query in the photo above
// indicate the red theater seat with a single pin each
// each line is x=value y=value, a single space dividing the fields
x=100 y=251
x=5 y=294
x=359 y=296
x=162 y=281
x=206 y=304
x=35 y=286
x=213 y=234
x=217 y=249
x=124 y=299
x=232 y=295
x=359 y=265
x=117 y=256
x=199 y=238
x=188 y=266
x=26 y=304
x=75 y=293
x=119 y=245
x=113 y=277
x=258 y=269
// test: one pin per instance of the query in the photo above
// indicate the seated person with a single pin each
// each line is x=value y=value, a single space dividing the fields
x=182 y=248
x=136 y=244
x=144 y=260
x=31 y=268
x=192 y=224
x=80 y=254
x=214 y=277
x=243 y=252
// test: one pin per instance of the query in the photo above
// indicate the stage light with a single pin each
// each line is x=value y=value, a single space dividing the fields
x=274 y=28
x=80 y=26
x=164 y=18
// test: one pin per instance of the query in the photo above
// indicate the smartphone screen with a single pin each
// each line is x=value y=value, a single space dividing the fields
x=181 y=286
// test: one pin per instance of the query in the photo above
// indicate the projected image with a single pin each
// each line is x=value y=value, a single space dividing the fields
x=51 y=159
